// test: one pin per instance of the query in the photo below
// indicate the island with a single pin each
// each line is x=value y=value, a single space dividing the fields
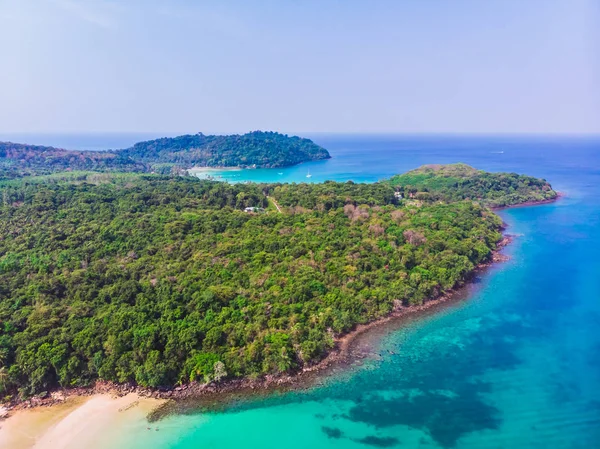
x=256 y=149
x=454 y=182
x=157 y=281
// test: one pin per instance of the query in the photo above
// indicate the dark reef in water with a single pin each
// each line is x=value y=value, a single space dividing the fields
x=379 y=442
x=332 y=432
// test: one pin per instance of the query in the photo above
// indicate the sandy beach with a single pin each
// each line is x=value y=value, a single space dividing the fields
x=211 y=170
x=78 y=422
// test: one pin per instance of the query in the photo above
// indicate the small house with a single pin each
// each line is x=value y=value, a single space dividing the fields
x=253 y=209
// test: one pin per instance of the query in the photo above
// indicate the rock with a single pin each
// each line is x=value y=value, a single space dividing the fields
x=58 y=396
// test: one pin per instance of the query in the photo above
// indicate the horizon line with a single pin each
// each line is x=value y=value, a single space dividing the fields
x=298 y=133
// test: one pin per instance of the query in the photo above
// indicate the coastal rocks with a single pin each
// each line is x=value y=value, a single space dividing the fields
x=500 y=258
x=215 y=394
x=58 y=396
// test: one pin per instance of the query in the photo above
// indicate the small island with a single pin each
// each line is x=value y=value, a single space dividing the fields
x=455 y=182
x=158 y=281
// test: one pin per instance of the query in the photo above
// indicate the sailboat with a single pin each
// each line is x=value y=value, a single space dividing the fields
x=308 y=175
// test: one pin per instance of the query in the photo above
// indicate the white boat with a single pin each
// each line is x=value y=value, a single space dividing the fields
x=280 y=173
x=308 y=175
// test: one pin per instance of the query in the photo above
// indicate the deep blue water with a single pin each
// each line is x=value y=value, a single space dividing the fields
x=517 y=365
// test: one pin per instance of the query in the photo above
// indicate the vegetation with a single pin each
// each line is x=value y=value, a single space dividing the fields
x=18 y=160
x=73 y=177
x=166 y=155
x=159 y=280
x=330 y=195
x=260 y=149
x=456 y=182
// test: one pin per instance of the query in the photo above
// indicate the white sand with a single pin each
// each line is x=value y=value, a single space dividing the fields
x=79 y=423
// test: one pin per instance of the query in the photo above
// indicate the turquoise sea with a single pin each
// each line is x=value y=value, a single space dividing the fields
x=515 y=365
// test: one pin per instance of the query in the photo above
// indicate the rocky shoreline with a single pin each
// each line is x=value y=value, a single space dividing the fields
x=213 y=395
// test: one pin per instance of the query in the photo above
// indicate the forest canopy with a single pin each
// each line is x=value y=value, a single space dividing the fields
x=260 y=149
x=160 y=280
x=454 y=182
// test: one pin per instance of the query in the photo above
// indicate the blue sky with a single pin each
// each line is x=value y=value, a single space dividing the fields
x=300 y=66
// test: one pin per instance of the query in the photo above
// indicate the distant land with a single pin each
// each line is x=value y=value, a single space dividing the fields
x=256 y=149
x=456 y=182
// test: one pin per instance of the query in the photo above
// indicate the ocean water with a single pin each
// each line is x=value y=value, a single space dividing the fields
x=82 y=141
x=515 y=365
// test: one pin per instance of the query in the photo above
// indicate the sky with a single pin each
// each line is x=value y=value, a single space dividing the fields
x=402 y=66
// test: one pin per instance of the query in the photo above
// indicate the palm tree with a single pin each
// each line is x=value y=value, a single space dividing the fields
x=3 y=378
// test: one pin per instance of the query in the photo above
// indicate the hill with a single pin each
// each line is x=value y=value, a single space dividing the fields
x=456 y=182
x=255 y=149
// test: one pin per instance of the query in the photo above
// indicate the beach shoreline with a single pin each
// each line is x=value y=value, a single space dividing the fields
x=79 y=421
x=214 y=169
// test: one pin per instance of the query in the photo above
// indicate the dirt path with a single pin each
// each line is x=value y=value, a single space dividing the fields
x=275 y=203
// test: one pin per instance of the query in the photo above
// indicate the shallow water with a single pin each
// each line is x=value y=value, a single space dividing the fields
x=515 y=366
